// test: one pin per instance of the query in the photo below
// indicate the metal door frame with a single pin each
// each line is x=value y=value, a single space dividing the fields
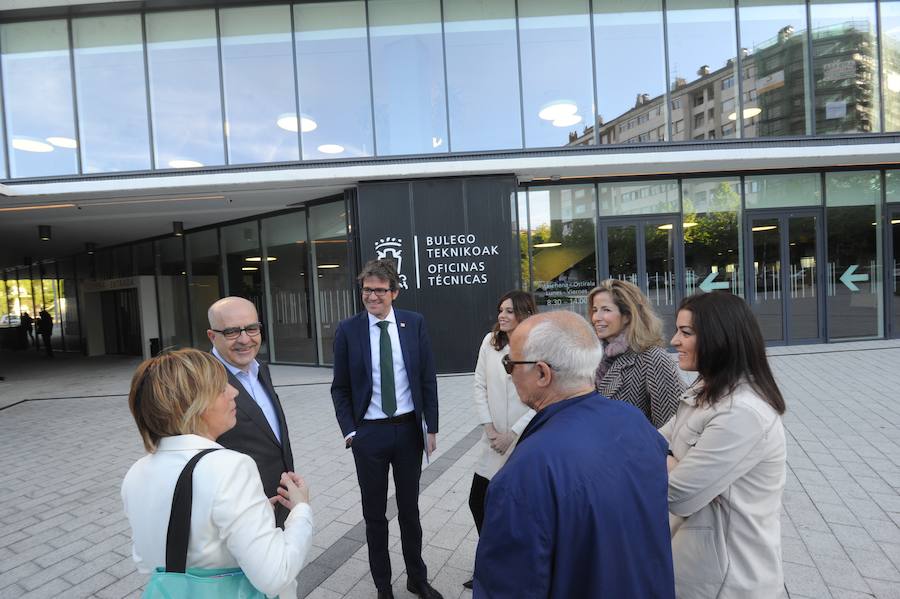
x=783 y=215
x=892 y=211
x=640 y=221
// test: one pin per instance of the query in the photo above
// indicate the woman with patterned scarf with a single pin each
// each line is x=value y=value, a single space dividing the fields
x=635 y=367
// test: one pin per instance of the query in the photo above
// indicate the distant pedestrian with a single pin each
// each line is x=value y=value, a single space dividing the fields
x=635 y=367
x=579 y=509
x=27 y=324
x=45 y=328
x=727 y=464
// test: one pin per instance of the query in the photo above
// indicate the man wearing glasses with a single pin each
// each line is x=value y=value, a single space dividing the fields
x=261 y=430
x=385 y=398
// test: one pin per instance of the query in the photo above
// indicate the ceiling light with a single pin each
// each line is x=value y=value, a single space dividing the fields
x=548 y=244
x=90 y=248
x=63 y=142
x=896 y=221
x=288 y=122
x=329 y=266
x=749 y=113
x=331 y=148
x=179 y=163
x=27 y=144
x=764 y=228
x=37 y=207
x=259 y=259
x=249 y=268
x=893 y=82
x=567 y=121
x=44 y=232
x=177 y=228
x=689 y=225
x=558 y=109
x=666 y=227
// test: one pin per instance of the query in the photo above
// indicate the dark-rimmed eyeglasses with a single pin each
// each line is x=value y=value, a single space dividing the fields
x=379 y=292
x=252 y=330
x=509 y=364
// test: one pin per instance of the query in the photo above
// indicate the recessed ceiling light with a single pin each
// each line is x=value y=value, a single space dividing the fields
x=329 y=266
x=178 y=163
x=763 y=228
x=749 y=113
x=567 y=121
x=331 y=148
x=63 y=142
x=288 y=122
x=689 y=225
x=259 y=259
x=251 y=268
x=548 y=244
x=26 y=144
x=666 y=227
x=558 y=109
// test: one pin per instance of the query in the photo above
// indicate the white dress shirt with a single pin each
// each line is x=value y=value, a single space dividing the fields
x=232 y=522
x=401 y=381
x=252 y=385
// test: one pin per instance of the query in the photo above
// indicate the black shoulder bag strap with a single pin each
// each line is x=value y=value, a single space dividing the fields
x=180 y=517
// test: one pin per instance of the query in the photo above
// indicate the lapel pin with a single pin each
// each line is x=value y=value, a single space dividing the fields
x=402 y=325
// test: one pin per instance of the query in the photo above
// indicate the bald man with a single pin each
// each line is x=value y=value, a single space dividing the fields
x=261 y=430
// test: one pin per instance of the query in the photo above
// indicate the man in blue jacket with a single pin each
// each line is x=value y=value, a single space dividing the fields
x=385 y=398
x=579 y=510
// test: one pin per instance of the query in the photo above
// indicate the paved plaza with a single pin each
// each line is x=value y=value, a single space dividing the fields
x=67 y=439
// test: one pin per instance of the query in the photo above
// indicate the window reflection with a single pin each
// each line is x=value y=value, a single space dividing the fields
x=712 y=239
x=630 y=93
x=482 y=74
x=257 y=66
x=333 y=75
x=563 y=247
x=330 y=260
x=37 y=87
x=702 y=68
x=845 y=66
x=408 y=76
x=171 y=286
x=782 y=191
x=112 y=97
x=203 y=248
x=776 y=94
x=183 y=59
x=618 y=199
x=557 y=76
x=890 y=52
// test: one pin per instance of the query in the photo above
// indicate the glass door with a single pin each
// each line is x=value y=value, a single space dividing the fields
x=893 y=278
x=786 y=287
x=644 y=252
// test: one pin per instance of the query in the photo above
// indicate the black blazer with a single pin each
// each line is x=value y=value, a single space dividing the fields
x=351 y=388
x=253 y=436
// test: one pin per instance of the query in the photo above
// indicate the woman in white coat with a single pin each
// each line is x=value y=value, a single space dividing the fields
x=727 y=456
x=181 y=402
x=501 y=413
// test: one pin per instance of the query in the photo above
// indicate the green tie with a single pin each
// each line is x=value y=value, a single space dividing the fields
x=388 y=395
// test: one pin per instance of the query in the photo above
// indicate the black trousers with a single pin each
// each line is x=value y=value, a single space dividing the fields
x=376 y=447
x=477 y=498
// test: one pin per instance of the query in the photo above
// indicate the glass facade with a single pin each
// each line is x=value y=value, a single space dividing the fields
x=360 y=78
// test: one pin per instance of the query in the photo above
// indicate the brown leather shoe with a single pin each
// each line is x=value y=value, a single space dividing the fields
x=423 y=590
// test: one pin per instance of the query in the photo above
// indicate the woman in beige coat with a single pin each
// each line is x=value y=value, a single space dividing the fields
x=502 y=415
x=727 y=462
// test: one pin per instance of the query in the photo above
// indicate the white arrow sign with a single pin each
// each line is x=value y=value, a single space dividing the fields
x=708 y=285
x=849 y=279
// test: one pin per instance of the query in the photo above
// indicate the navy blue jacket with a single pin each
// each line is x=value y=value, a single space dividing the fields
x=351 y=388
x=580 y=509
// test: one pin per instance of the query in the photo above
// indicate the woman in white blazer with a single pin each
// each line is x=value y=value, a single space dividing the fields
x=181 y=402
x=501 y=413
x=727 y=462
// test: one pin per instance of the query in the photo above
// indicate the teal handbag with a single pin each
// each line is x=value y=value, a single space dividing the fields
x=176 y=581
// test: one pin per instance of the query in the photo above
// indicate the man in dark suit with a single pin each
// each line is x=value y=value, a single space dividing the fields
x=261 y=430
x=385 y=398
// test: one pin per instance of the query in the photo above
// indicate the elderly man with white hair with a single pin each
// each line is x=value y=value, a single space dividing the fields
x=579 y=510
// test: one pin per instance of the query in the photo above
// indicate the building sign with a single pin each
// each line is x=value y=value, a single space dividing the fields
x=455 y=252
x=839 y=70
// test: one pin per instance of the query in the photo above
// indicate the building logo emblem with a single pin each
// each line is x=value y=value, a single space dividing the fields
x=392 y=247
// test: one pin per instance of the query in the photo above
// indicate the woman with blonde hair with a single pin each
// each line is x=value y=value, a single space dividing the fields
x=635 y=368
x=181 y=402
